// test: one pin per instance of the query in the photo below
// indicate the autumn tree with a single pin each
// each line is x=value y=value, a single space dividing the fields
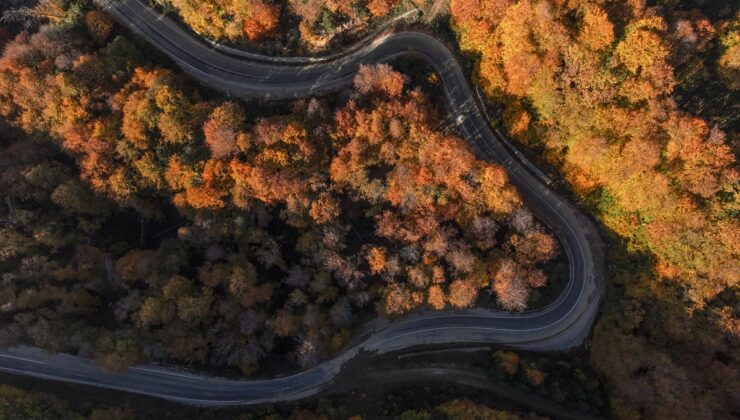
x=380 y=78
x=436 y=297
x=324 y=209
x=261 y=20
x=597 y=31
x=99 y=24
x=381 y=7
x=729 y=61
x=462 y=293
x=399 y=299
x=223 y=130
x=376 y=257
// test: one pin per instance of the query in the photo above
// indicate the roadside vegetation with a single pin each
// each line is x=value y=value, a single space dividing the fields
x=317 y=21
x=255 y=20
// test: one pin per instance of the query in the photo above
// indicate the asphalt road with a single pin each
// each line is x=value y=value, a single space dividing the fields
x=561 y=325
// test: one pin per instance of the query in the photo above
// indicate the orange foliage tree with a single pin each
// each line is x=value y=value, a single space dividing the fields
x=223 y=130
x=262 y=20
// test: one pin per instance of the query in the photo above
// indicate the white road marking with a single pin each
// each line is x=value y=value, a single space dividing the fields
x=7 y=356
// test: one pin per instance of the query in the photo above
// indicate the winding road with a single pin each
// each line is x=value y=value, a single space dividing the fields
x=563 y=324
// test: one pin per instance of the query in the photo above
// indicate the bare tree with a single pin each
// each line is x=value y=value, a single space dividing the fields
x=461 y=258
x=484 y=231
x=522 y=220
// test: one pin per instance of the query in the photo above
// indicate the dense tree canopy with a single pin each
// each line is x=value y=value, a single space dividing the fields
x=229 y=19
x=320 y=20
x=196 y=235
x=591 y=84
x=259 y=20
x=145 y=218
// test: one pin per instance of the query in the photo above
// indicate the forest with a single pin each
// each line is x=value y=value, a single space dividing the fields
x=594 y=88
x=147 y=218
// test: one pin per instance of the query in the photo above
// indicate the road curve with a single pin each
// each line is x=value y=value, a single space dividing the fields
x=563 y=324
